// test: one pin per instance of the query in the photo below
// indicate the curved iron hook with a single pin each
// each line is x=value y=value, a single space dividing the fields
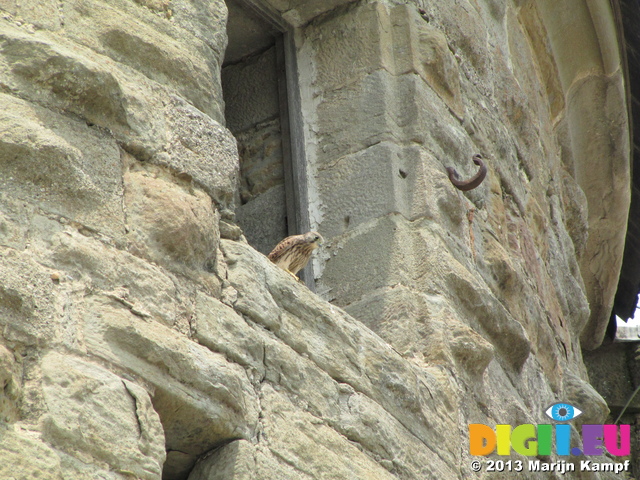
x=473 y=182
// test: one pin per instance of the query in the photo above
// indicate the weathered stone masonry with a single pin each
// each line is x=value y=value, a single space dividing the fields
x=143 y=337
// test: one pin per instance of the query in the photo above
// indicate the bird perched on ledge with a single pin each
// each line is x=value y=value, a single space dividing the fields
x=294 y=252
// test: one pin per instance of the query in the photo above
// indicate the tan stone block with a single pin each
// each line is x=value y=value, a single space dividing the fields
x=437 y=337
x=350 y=257
x=145 y=288
x=310 y=446
x=422 y=49
x=469 y=35
x=200 y=148
x=415 y=255
x=61 y=165
x=202 y=399
x=219 y=328
x=41 y=13
x=347 y=48
x=205 y=21
x=74 y=79
x=10 y=385
x=578 y=392
x=300 y=12
x=383 y=107
x=383 y=179
x=151 y=45
x=169 y=222
x=607 y=189
x=24 y=456
x=29 y=312
x=246 y=273
x=100 y=417
x=530 y=21
x=234 y=461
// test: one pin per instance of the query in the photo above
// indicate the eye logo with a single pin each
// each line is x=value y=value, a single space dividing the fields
x=562 y=412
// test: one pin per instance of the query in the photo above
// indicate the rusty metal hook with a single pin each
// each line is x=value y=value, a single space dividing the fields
x=473 y=182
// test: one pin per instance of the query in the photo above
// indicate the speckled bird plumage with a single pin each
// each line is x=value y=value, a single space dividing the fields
x=294 y=252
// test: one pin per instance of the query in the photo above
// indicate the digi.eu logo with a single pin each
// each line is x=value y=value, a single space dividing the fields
x=533 y=440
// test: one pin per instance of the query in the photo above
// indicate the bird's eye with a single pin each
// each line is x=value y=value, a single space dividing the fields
x=562 y=412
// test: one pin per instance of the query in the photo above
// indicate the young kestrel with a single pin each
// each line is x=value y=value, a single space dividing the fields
x=293 y=253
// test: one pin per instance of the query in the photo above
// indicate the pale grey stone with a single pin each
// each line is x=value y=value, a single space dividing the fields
x=219 y=328
x=173 y=54
x=251 y=87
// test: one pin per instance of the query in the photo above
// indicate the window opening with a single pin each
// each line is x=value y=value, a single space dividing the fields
x=262 y=110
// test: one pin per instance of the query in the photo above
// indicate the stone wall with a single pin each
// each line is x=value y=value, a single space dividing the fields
x=514 y=263
x=142 y=337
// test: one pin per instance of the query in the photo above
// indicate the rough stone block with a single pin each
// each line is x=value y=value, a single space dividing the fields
x=345 y=49
x=40 y=13
x=10 y=385
x=484 y=310
x=389 y=379
x=300 y=12
x=309 y=446
x=149 y=120
x=422 y=49
x=302 y=380
x=24 y=457
x=93 y=412
x=16 y=217
x=74 y=79
x=206 y=21
x=167 y=220
x=201 y=148
x=364 y=421
x=383 y=107
x=61 y=165
x=438 y=336
x=382 y=179
x=578 y=392
x=151 y=45
x=219 y=328
x=246 y=273
x=607 y=189
x=341 y=352
x=202 y=399
x=416 y=256
x=234 y=461
x=28 y=300
x=468 y=33
x=144 y=287
x=350 y=258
